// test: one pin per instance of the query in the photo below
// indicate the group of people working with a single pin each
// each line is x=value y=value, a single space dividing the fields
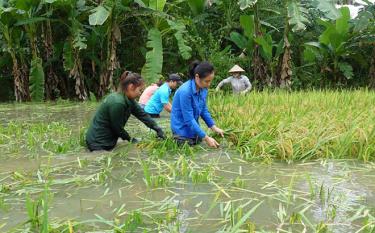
x=189 y=104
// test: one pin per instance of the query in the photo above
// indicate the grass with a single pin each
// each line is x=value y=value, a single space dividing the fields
x=298 y=126
x=266 y=126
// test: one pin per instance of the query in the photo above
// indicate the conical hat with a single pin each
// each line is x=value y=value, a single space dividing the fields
x=236 y=68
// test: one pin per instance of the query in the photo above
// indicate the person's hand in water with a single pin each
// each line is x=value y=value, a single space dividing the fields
x=218 y=130
x=211 y=142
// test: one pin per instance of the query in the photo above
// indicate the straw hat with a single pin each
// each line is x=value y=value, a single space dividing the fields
x=236 y=69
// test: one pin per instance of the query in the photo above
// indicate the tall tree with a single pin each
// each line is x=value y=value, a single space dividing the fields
x=12 y=35
x=74 y=45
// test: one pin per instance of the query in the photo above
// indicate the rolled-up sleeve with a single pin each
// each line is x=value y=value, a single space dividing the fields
x=188 y=114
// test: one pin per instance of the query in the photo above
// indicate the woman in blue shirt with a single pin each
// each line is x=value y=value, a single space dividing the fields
x=189 y=103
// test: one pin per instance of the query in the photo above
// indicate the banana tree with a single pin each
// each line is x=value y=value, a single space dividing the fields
x=333 y=47
x=364 y=39
x=295 y=15
x=261 y=46
x=257 y=43
x=332 y=51
x=51 y=81
x=163 y=25
x=74 y=44
x=31 y=21
x=107 y=17
x=254 y=30
x=295 y=20
x=34 y=21
x=13 y=37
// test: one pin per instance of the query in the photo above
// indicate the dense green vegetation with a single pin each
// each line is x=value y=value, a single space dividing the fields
x=76 y=49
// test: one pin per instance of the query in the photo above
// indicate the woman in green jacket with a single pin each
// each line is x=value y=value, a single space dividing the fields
x=109 y=120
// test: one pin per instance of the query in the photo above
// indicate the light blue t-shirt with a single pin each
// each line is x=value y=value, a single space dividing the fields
x=158 y=100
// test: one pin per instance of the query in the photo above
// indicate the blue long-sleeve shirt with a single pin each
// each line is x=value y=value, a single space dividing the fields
x=188 y=105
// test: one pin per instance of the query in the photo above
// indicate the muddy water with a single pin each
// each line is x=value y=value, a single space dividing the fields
x=350 y=187
x=93 y=186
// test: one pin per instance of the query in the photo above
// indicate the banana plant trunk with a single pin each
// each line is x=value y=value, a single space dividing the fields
x=259 y=66
x=21 y=81
x=51 y=80
x=106 y=76
x=77 y=74
x=20 y=72
x=286 y=66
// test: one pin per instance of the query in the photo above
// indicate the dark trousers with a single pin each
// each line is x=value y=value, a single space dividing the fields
x=190 y=141
x=98 y=147
x=154 y=115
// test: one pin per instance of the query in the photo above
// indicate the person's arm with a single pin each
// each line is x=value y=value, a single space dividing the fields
x=168 y=107
x=224 y=81
x=141 y=115
x=206 y=116
x=248 y=85
x=117 y=121
x=188 y=118
x=164 y=99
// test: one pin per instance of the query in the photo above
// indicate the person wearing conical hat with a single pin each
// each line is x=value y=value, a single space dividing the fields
x=240 y=83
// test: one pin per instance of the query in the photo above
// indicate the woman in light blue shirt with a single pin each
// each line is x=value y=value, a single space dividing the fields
x=190 y=103
x=160 y=99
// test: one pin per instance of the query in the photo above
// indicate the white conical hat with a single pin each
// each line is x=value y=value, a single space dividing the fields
x=236 y=68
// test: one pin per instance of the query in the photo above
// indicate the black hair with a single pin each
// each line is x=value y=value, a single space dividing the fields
x=174 y=77
x=203 y=69
x=128 y=78
x=160 y=82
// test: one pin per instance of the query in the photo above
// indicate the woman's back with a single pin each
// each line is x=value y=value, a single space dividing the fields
x=147 y=93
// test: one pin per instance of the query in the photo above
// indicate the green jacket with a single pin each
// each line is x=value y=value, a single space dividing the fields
x=110 y=119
